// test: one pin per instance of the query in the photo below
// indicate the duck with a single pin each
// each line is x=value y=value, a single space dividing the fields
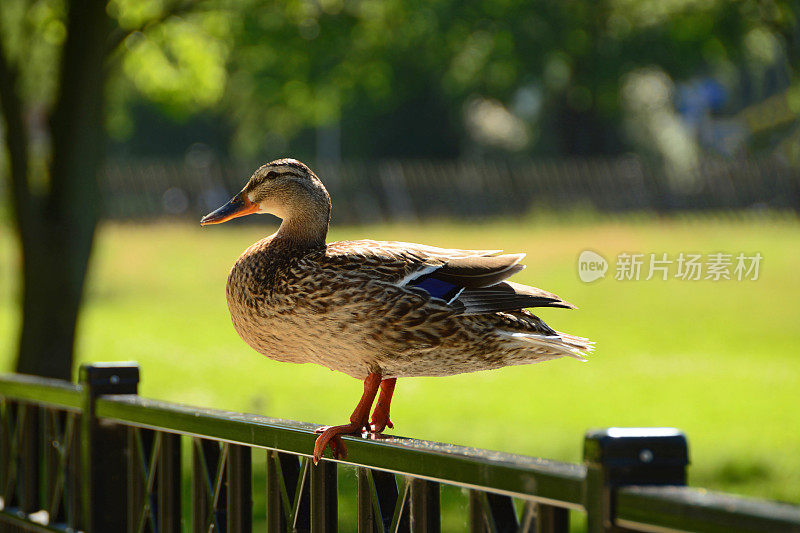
x=376 y=310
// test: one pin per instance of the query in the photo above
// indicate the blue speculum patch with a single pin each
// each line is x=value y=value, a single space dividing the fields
x=438 y=288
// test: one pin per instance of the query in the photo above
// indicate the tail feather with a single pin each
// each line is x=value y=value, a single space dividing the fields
x=560 y=344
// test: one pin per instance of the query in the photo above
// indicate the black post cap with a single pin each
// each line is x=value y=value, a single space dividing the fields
x=633 y=456
x=110 y=378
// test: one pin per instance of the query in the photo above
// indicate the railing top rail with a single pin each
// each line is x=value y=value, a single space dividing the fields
x=53 y=392
x=553 y=482
x=686 y=509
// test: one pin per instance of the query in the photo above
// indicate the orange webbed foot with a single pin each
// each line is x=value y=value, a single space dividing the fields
x=380 y=421
x=331 y=435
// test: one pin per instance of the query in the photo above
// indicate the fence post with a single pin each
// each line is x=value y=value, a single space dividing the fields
x=104 y=448
x=324 y=512
x=617 y=457
x=425 y=511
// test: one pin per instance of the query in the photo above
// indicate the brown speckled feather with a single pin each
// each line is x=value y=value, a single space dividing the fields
x=349 y=306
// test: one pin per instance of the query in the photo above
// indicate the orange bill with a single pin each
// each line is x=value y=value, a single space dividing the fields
x=238 y=206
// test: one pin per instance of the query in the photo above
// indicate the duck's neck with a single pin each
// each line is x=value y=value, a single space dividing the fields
x=302 y=231
x=305 y=216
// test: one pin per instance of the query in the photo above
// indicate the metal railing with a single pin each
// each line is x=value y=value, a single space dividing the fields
x=97 y=457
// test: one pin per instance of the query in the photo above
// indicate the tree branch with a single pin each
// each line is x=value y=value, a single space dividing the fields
x=16 y=137
x=119 y=35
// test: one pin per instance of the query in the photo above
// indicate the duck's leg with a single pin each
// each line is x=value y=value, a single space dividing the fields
x=380 y=416
x=359 y=421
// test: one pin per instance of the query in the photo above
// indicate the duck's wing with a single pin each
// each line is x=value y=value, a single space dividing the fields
x=507 y=296
x=393 y=261
x=477 y=285
x=469 y=281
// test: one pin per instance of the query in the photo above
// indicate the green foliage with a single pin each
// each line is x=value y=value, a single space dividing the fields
x=180 y=62
x=301 y=64
x=171 y=53
x=276 y=69
x=33 y=33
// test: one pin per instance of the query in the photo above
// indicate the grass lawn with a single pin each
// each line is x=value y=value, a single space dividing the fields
x=716 y=359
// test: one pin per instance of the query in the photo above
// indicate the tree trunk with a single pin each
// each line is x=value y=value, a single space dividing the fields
x=57 y=241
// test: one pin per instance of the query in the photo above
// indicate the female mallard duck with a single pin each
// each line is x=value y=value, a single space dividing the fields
x=376 y=310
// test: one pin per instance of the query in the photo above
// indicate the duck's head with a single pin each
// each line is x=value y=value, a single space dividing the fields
x=287 y=189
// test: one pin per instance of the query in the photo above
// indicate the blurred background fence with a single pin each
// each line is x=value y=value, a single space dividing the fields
x=386 y=190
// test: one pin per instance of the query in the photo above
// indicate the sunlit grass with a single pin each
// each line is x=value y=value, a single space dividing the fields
x=716 y=359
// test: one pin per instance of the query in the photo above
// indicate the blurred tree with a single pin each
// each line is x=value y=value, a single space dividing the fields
x=56 y=218
x=55 y=61
x=399 y=76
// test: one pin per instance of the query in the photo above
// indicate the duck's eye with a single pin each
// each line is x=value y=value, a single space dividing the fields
x=271 y=175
